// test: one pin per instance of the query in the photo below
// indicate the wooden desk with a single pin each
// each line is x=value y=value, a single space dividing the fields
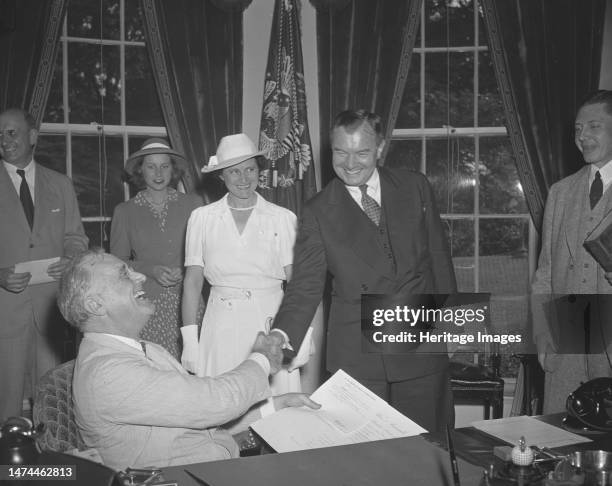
x=405 y=462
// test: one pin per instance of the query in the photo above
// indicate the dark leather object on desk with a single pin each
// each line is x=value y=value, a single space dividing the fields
x=471 y=445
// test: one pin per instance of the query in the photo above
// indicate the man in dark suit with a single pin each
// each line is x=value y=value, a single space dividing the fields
x=375 y=230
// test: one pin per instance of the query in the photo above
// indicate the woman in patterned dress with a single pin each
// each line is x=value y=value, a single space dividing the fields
x=148 y=232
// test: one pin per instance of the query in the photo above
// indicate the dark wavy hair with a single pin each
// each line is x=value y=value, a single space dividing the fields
x=136 y=179
x=603 y=96
x=352 y=120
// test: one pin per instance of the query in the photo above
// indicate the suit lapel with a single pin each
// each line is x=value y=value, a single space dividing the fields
x=574 y=210
x=355 y=230
x=43 y=201
x=9 y=199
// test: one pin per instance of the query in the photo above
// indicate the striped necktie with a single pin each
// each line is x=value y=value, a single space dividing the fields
x=370 y=206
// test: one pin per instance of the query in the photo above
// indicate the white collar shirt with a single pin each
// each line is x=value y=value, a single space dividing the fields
x=129 y=341
x=605 y=172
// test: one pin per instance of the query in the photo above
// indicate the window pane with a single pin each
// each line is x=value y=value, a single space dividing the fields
x=405 y=154
x=482 y=31
x=51 y=152
x=84 y=19
x=500 y=189
x=449 y=23
x=409 y=115
x=135 y=142
x=490 y=107
x=93 y=84
x=88 y=176
x=98 y=233
x=504 y=255
x=449 y=93
x=460 y=235
x=134 y=30
x=54 y=111
x=141 y=102
x=450 y=169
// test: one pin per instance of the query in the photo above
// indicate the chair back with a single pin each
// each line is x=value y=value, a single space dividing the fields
x=53 y=407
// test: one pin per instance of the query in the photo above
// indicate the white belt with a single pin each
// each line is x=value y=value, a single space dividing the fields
x=226 y=293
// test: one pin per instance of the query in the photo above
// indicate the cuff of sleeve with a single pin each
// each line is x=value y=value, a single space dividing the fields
x=193 y=263
x=287 y=344
x=189 y=333
x=267 y=407
x=261 y=360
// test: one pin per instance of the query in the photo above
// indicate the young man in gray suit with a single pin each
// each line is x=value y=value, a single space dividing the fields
x=375 y=230
x=39 y=218
x=133 y=401
x=575 y=206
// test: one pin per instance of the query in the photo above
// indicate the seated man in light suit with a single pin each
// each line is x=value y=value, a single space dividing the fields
x=133 y=401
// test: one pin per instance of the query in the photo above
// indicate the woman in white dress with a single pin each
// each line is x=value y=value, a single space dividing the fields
x=243 y=245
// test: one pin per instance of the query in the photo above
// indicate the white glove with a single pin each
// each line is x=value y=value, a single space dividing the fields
x=189 y=357
x=306 y=350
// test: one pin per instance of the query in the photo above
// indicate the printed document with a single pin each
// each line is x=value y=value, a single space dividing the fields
x=349 y=413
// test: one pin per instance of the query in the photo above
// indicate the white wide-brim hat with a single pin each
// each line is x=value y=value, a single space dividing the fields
x=154 y=146
x=232 y=150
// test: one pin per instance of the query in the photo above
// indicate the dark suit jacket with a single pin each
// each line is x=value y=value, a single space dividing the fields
x=335 y=235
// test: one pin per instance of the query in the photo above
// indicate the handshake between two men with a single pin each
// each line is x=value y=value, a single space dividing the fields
x=269 y=345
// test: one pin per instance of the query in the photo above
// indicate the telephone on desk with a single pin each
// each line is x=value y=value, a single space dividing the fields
x=589 y=407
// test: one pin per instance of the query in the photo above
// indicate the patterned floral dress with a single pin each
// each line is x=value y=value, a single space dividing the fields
x=145 y=236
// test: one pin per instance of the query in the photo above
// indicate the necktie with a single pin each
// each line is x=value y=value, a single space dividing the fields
x=143 y=345
x=26 y=198
x=370 y=206
x=596 y=190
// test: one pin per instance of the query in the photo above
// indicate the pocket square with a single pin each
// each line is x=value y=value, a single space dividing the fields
x=56 y=210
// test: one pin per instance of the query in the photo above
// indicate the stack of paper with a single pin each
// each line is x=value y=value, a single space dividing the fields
x=349 y=413
x=535 y=431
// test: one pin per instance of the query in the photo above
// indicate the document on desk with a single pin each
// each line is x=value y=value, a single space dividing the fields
x=349 y=413
x=535 y=431
x=38 y=270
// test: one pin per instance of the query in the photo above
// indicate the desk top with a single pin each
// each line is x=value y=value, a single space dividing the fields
x=405 y=461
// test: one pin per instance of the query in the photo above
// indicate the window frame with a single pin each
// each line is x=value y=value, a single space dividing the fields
x=424 y=134
x=94 y=128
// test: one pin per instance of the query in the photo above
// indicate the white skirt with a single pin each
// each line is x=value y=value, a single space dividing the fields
x=231 y=322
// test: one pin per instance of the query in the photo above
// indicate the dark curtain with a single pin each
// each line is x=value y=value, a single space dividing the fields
x=364 y=49
x=29 y=34
x=195 y=48
x=547 y=56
